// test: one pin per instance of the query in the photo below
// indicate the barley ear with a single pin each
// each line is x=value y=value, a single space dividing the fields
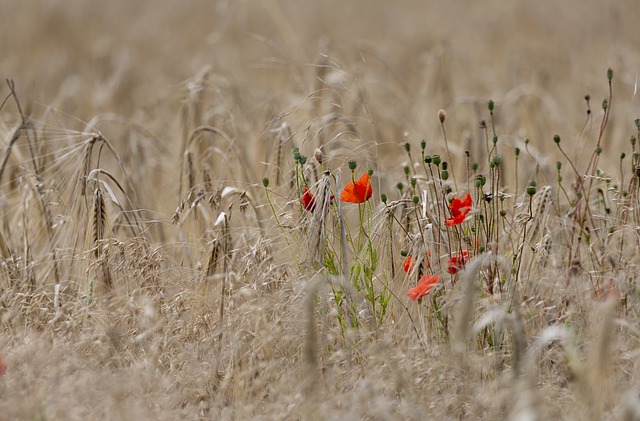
x=103 y=273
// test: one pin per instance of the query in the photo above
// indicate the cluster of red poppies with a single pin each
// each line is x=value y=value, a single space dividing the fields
x=459 y=208
x=359 y=191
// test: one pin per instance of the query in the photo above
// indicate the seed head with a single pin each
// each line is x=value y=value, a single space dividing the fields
x=442 y=116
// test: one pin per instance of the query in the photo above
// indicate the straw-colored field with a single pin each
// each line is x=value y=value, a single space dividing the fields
x=162 y=260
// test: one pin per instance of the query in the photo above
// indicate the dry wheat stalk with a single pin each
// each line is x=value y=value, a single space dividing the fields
x=536 y=217
x=103 y=272
x=317 y=227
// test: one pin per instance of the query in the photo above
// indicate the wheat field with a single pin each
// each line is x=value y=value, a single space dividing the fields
x=183 y=236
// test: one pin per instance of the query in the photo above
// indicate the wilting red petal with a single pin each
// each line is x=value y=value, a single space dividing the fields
x=457 y=262
x=459 y=210
x=455 y=220
x=357 y=192
x=408 y=264
x=308 y=200
x=425 y=284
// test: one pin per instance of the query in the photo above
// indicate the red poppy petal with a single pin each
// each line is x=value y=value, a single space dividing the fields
x=408 y=264
x=357 y=192
x=425 y=284
x=308 y=200
x=455 y=220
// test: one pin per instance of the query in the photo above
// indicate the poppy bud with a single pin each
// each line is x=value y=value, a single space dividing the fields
x=556 y=139
x=436 y=159
x=265 y=182
x=442 y=115
x=407 y=147
x=318 y=155
x=352 y=165
x=490 y=105
x=423 y=144
x=383 y=198
x=609 y=74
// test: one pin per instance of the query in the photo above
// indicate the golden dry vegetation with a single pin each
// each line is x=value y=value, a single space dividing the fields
x=147 y=273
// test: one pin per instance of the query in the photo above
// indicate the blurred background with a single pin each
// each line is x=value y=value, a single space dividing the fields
x=384 y=68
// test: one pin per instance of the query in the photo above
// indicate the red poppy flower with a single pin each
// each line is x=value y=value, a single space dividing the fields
x=357 y=192
x=457 y=262
x=410 y=262
x=459 y=209
x=425 y=284
x=308 y=200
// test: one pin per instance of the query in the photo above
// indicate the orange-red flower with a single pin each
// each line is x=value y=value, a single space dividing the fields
x=425 y=284
x=308 y=200
x=357 y=192
x=409 y=262
x=457 y=262
x=459 y=207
